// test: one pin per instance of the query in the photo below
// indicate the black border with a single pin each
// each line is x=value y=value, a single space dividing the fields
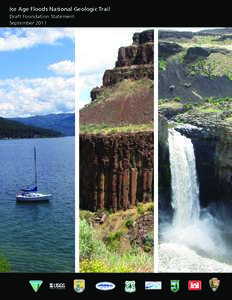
x=122 y=14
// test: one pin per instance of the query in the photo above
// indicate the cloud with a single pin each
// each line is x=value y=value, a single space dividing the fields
x=22 y=38
x=38 y=96
x=65 y=68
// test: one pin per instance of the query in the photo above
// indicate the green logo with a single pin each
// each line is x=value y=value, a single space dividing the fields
x=130 y=286
x=175 y=285
x=36 y=284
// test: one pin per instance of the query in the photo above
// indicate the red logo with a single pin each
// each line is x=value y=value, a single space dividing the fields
x=194 y=285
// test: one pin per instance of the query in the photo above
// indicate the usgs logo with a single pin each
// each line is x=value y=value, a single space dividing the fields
x=105 y=286
x=57 y=286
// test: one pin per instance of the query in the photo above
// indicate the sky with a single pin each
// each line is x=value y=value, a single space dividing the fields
x=97 y=51
x=53 y=70
x=37 y=71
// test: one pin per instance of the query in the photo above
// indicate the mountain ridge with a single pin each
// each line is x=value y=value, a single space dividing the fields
x=62 y=122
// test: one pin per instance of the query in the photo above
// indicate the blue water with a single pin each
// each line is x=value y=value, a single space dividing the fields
x=38 y=237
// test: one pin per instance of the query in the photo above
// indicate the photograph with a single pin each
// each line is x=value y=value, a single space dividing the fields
x=37 y=165
x=116 y=149
x=195 y=149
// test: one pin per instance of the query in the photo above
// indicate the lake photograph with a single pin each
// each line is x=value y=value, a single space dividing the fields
x=37 y=150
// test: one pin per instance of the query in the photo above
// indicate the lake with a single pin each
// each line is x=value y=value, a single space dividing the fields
x=38 y=237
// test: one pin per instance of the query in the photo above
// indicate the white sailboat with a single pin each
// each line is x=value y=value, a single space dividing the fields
x=30 y=193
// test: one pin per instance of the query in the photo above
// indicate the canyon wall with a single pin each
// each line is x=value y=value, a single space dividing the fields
x=116 y=171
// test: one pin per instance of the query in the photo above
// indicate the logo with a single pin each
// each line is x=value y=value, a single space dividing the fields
x=79 y=285
x=194 y=285
x=57 y=286
x=175 y=285
x=214 y=283
x=153 y=285
x=105 y=286
x=130 y=286
x=36 y=284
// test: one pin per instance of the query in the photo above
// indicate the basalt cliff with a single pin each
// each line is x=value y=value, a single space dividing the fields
x=116 y=166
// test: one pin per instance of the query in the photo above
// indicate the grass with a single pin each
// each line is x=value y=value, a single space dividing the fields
x=4 y=264
x=125 y=87
x=106 y=248
x=216 y=64
x=171 y=105
x=205 y=41
x=108 y=129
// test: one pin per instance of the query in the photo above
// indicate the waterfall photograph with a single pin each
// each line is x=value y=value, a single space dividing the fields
x=195 y=150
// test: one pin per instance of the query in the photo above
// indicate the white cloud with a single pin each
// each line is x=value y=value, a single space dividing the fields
x=65 y=67
x=38 y=96
x=28 y=37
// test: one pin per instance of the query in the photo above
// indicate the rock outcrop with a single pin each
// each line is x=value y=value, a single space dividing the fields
x=213 y=149
x=133 y=62
x=116 y=171
x=195 y=73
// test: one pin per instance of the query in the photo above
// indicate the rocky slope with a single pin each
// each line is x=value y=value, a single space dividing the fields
x=194 y=72
x=195 y=88
x=126 y=95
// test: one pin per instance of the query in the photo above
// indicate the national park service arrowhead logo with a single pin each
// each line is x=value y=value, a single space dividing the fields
x=214 y=284
x=175 y=285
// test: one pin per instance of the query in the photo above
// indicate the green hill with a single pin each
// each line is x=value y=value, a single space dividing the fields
x=16 y=130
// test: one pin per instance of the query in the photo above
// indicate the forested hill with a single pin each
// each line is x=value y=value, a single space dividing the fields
x=15 y=130
x=63 y=122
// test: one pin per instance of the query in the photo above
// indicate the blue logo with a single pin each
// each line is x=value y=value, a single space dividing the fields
x=153 y=285
x=105 y=286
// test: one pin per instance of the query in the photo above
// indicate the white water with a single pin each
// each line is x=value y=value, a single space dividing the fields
x=185 y=190
x=193 y=241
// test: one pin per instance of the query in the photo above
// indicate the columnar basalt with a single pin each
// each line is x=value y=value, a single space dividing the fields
x=116 y=171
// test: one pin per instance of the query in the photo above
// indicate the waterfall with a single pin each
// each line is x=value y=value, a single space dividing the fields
x=191 y=243
x=185 y=189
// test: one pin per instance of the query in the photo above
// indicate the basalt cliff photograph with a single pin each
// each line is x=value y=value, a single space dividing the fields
x=195 y=150
x=116 y=167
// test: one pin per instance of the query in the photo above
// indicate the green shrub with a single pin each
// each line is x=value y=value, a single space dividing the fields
x=162 y=64
x=113 y=240
x=177 y=99
x=149 y=241
x=89 y=245
x=128 y=222
x=140 y=208
x=150 y=208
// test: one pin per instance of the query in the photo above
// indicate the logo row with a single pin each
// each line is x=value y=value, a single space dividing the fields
x=130 y=285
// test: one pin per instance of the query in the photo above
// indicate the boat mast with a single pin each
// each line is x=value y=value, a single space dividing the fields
x=35 y=167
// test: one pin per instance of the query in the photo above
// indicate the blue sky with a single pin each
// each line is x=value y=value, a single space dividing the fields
x=36 y=71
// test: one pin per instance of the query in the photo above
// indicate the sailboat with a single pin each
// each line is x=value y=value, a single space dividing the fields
x=30 y=193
